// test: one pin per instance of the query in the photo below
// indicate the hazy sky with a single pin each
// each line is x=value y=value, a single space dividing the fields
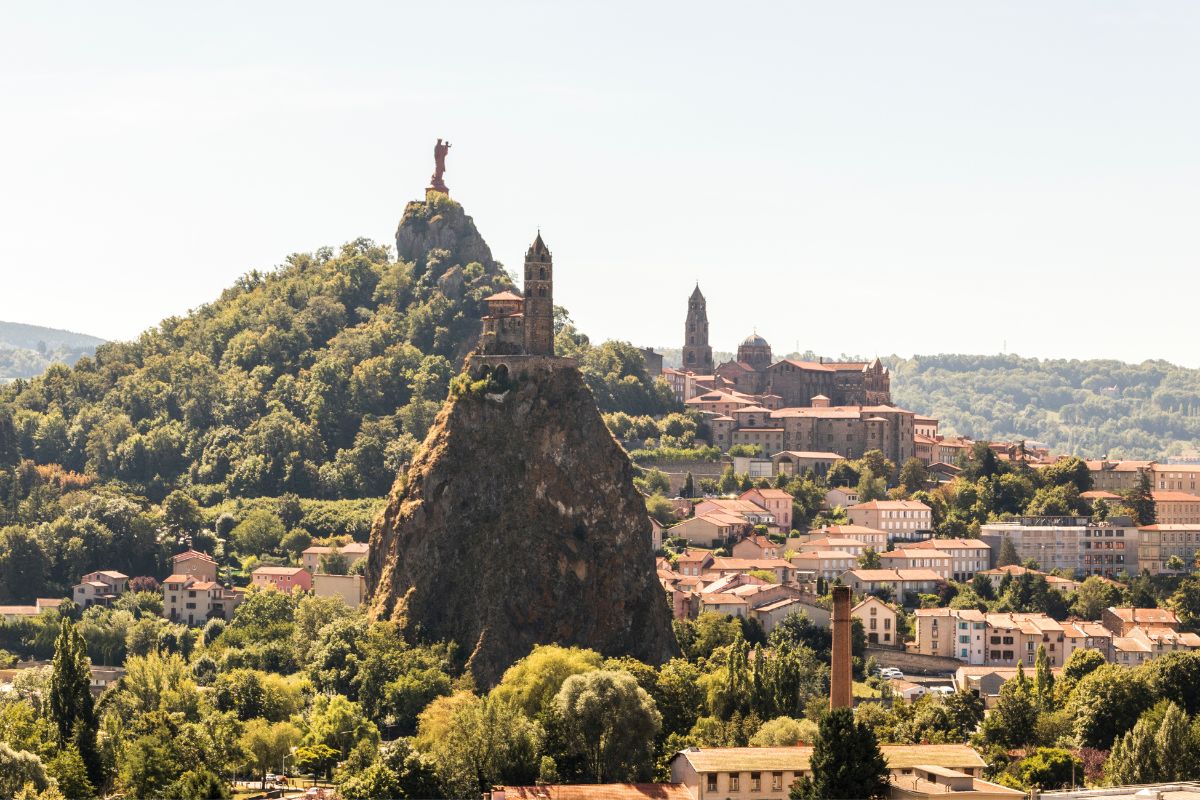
x=848 y=177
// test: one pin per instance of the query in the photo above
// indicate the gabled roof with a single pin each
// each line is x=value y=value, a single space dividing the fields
x=503 y=296
x=190 y=555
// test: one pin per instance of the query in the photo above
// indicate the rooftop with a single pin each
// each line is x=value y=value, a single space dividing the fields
x=736 y=759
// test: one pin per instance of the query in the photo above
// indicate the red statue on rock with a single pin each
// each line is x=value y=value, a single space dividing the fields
x=436 y=184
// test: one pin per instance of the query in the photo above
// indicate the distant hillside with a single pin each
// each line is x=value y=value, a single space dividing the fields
x=26 y=350
x=1088 y=408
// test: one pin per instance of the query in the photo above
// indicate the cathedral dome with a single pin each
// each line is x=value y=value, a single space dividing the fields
x=754 y=340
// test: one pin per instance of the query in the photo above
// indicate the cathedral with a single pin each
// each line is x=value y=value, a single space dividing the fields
x=754 y=371
x=516 y=325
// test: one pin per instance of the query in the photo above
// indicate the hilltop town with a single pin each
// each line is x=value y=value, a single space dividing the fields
x=392 y=527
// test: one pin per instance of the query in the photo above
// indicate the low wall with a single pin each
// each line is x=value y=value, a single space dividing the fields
x=913 y=662
x=676 y=471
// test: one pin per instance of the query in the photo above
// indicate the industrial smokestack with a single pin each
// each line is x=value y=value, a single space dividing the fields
x=841 y=682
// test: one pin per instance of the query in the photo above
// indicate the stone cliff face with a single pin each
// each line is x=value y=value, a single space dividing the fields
x=518 y=524
x=439 y=223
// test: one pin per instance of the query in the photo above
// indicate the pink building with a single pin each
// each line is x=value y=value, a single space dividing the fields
x=285 y=579
x=777 y=501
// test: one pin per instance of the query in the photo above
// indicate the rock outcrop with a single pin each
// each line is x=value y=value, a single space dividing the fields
x=518 y=524
x=439 y=223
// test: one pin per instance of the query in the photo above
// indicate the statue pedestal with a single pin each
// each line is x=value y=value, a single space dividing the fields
x=436 y=184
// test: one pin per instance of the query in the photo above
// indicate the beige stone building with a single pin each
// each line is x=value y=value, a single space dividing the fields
x=99 y=588
x=871 y=537
x=899 y=519
x=757 y=546
x=1073 y=545
x=1176 y=477
x=194 y=601
x=285 y=579
x=353 y=551
x=826 y=564
x=841 y=497
x=1158 y=543
x=191 y=562
x=999 y=639
x=967 y=556
x=713 y=529
x=1176 y=508
x=878 y=621
x=1117 y=476
x=917 y=771
x=934 y=560
x=904 y=584
x=351 y=588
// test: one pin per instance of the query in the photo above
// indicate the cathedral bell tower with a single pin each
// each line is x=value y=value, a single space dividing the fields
x=539 y=299
x=697 y=355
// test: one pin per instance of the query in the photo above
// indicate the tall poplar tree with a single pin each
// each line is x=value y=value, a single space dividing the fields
x=1043 y=679
x=71 y=706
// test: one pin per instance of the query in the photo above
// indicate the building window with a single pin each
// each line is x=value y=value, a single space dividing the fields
x=755 y=782
x=712 y=782
x=735 y=782
x=776 y=781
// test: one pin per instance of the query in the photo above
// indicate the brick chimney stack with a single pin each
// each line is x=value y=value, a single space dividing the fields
x=841 y=682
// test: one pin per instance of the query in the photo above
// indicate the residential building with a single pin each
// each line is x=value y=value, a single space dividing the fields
x=1073 y=545
x=917 y=771
x=351 y=588
x=871 y=537
x=751 y=513
x=99 y=588
x=756 y=546
x=841 y=497
x=854 y=547
x=776 y=501
x=899 y=519
x=194 y=601
x=1176 y=508
x=927 y=558
x=985 y=682
x=285 y=579
x=1117 y=476
x=199 y=565
x=1121 y=621
x=967 y=556
x=783 y=570
x=1175 y=477
x=828 y=565
x=694 y=563
x=591 y=791
x=14 y=613
x=352 y=551
x=878 y=621
x=979 y=638
x=996 y=576
x=903 y=584
x=713 y=529
x=1158 y=543
x=772 y=613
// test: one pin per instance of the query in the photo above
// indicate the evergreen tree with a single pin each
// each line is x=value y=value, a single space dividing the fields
x=1012 y=721
x=1007 y=556
x=846 y=762
x=689 y=486
x=1133 y=758
x=1043 y=681
x=71 y=706
x=1141 y=501
x=1175 y=747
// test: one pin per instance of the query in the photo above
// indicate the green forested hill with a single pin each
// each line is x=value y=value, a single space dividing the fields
x=27 y=350
x=1087 y=408
x=319 y=378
